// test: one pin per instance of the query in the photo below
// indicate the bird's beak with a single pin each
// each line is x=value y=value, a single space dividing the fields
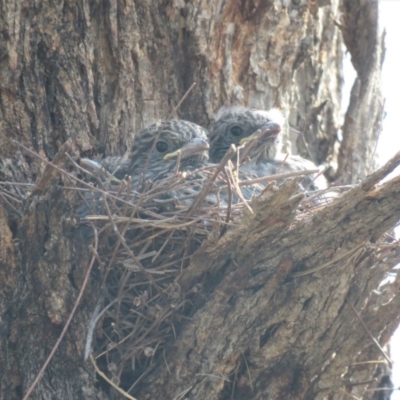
x=195 y=146
x=270 y=130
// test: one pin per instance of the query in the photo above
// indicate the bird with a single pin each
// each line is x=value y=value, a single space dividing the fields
x=155 y=151
x=259 y=132
x=154 y=156
x=158 y=151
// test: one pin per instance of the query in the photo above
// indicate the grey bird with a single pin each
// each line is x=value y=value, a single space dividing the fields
x=155 y=151
x=154 y=155
x=260 y=133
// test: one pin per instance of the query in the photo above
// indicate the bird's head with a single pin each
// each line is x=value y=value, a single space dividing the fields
x=157 y=147
x=260 y=130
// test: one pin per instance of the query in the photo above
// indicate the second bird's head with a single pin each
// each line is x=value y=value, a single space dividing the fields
x=244 y=126
x=158 y=146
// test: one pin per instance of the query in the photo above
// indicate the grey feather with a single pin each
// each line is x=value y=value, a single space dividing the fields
x=234 y=124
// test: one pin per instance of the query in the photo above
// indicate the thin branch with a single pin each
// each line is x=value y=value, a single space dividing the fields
x=64 y=331
x=370 y=334
x=207 y=186
x=103 y=375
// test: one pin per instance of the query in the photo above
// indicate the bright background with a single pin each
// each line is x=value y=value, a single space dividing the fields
x=389 y=142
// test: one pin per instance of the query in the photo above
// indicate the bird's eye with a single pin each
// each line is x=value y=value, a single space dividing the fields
x=161 y=147
x=236 y=130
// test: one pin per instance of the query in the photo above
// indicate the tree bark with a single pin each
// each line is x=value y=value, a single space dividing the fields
x=92 y=73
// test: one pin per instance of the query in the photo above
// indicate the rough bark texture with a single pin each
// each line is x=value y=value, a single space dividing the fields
x=286 y=331
x=97 y=71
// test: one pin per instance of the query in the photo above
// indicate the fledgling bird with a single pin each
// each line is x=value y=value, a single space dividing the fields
x=260 y=132
x=155 y=151
x=154 y=155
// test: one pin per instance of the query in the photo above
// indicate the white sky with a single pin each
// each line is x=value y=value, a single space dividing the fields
x=389 y=142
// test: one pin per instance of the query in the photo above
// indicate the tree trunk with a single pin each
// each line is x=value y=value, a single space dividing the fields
x=88 y=75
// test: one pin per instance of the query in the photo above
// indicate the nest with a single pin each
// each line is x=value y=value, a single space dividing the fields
x=146 y=239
